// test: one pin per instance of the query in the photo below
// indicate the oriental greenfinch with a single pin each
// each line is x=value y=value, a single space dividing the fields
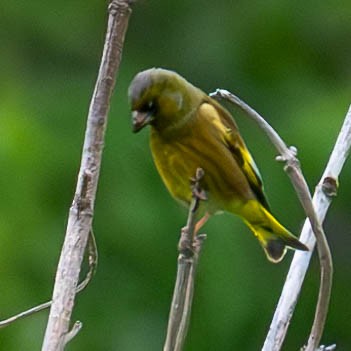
x=190 y=130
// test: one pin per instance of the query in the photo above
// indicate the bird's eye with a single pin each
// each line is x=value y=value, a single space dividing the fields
x=149 y=107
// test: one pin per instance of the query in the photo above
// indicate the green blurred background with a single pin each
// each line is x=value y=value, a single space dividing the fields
x=290 y=61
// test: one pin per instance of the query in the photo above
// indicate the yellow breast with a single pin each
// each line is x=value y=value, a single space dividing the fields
x=200 y=144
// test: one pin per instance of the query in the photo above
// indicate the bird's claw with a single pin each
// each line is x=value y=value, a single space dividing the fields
x=197 y=191
x=199 y=194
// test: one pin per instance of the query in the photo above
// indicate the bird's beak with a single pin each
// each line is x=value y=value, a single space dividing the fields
x=140 y=120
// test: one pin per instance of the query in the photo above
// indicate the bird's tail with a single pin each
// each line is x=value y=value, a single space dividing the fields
x=273 y=237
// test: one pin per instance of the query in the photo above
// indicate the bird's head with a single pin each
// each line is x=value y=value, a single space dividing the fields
x=162 y=98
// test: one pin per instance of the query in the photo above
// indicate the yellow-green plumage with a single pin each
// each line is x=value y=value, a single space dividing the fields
x=190 y=130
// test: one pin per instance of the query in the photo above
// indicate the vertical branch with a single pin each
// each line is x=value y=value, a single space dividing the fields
x=189 y=250
x=81 y=211
x=322 y=198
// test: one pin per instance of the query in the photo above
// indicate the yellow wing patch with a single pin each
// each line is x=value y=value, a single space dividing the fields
x=222 y=120
x=209 y=112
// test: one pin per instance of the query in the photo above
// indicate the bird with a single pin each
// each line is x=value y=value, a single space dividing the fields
x=190 y=130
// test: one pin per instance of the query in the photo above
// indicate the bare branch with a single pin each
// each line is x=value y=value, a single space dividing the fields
x=189 y=248
x=81 y=211
x=321 y=201
x=6 y=322
x=292 y=167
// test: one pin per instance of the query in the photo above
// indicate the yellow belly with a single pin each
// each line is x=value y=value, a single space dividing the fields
x=177 y=160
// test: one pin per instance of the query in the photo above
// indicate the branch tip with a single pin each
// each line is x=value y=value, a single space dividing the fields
x=293 y=150
x=77 y=326
x=119 y=5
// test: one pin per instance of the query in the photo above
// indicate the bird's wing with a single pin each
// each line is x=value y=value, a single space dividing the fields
x=241 y=154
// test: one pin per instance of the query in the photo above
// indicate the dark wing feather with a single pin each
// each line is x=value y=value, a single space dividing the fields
x=240 y=152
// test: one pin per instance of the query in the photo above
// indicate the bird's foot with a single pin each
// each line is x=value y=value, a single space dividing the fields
x=197 y=191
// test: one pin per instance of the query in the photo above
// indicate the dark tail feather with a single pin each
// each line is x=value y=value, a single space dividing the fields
x=273 y=237
x=275 y=248
x=275 y=242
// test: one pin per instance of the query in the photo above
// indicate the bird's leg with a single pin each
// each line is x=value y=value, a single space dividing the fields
x=189 y=233
x=201 y=222
x=185 y=245
x=198 y=194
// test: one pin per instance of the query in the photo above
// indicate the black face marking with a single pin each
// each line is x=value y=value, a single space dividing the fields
x=150 y=107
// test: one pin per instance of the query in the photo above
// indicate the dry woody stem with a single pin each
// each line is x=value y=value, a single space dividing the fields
x=189 y=248
x=81 y=211
x=277 y=332
x=325 y=190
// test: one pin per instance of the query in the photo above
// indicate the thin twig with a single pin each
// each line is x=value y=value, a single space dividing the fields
x=6 y=322
x=92 y=261
x=81 y=211
x=293 y=169
x=189 y=248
